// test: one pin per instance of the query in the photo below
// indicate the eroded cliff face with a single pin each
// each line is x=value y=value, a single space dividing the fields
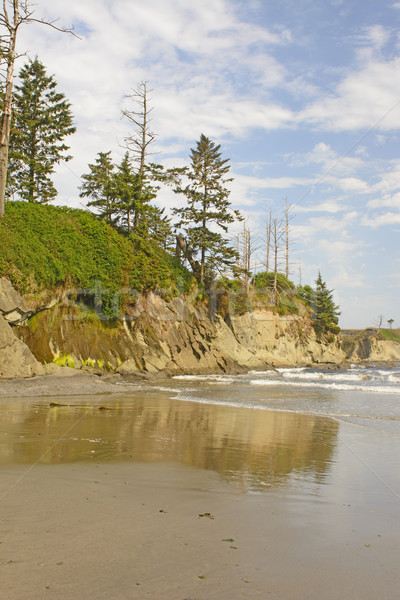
x=366 y=346
x=176 y=337
x=170 y=337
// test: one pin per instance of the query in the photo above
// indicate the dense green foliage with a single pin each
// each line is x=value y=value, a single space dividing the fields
x=46 y=246
x=42 y=119
x=122 y=198
x=207 y=206
x=98 y=186
x=325 y=313
x=240 y=299
x=264 y=280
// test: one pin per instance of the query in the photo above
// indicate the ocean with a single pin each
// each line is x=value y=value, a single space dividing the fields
x=368 y=396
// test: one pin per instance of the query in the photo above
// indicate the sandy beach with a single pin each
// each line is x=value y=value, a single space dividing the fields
x=134 y=531
x=148 y=497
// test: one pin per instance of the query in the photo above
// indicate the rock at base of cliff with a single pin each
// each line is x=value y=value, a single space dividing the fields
x=16 y=360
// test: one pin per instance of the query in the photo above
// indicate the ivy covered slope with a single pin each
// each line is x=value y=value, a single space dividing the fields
x=44 y=247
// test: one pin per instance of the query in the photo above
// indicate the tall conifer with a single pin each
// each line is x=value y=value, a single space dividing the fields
x=98 y=185
x=42 y=119
x=207 y=209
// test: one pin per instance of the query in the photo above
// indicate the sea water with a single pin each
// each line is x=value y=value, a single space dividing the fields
x=368 y=396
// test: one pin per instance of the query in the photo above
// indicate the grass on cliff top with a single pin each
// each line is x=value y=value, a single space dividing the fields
x=44 y=246
x=390 y=334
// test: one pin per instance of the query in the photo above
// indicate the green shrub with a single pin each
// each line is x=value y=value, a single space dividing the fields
x=44 y=246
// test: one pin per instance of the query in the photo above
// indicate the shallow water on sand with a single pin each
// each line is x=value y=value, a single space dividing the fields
x=256 y=430
x=311 y=459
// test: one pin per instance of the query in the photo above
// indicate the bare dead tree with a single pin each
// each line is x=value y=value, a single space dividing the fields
x=378 y=322
x=138 y=142
x=268 y=232
x=246 y=256
x=288 y=218
x=277 y=233
x=13 y=14
x=247 y=245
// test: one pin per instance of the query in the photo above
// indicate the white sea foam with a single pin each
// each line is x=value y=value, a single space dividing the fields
x=330 y=386
x=208 y=378
x=325 y=376
x=161 y=388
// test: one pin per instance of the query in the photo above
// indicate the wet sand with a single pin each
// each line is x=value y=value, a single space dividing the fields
x=117 y=516
x=134 y=531
x=66 y=382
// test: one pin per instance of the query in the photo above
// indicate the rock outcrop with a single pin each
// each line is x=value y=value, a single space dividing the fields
x=367 y=346
x=16 y=359
x=12 y=306
x=172 y=337
x=177 y=337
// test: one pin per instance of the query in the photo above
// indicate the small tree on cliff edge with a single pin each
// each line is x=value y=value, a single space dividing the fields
x=207 y=205
x=326 y=313
x=42 y=120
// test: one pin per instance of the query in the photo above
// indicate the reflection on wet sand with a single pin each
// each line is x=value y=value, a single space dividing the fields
x=254 y=448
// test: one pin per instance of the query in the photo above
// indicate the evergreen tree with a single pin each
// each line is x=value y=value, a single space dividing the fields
x=160 y=229
x=99 y=186
x=42 y=119
x=207 y=206
x=324 y=311
x=127 y=189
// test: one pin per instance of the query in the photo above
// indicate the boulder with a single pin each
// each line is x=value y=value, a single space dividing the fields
x=16 y=360
x=12 y=306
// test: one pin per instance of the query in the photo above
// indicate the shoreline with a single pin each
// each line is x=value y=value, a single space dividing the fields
x=66 y=381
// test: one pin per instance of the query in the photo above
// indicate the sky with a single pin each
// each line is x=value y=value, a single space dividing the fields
x=303 y=97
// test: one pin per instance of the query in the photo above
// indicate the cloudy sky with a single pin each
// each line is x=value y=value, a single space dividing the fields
x=302 y=95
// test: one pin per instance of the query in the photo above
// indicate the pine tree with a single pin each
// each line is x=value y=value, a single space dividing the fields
x=127 y=189
x=207 y=206
x=42 y=119
x=325 y=311
x=99 y=186
x=160 y=229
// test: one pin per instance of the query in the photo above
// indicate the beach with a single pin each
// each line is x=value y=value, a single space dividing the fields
x=170 y=492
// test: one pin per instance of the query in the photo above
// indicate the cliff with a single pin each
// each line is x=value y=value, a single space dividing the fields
x=172 y=337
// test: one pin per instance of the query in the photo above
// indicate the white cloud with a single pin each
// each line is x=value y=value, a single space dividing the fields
x=375 y=36
x=329 y=206
x=386 y=201
x=367 y=98
x=388 y=218
x=324 y=154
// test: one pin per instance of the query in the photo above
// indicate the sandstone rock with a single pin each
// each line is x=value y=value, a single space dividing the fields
x=16 y=360
x=128 y=367
x=12 y=305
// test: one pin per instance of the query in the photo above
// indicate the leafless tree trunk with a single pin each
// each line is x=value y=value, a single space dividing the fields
x=275 y=242
x=139 y=141
x=13 y=14
x=245 y=248
x=288 y=218
x=8 y=52
x=277 y=232
x=246 y=257
x=269 y=225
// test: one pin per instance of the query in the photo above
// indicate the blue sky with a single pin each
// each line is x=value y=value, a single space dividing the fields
x=302 y=95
